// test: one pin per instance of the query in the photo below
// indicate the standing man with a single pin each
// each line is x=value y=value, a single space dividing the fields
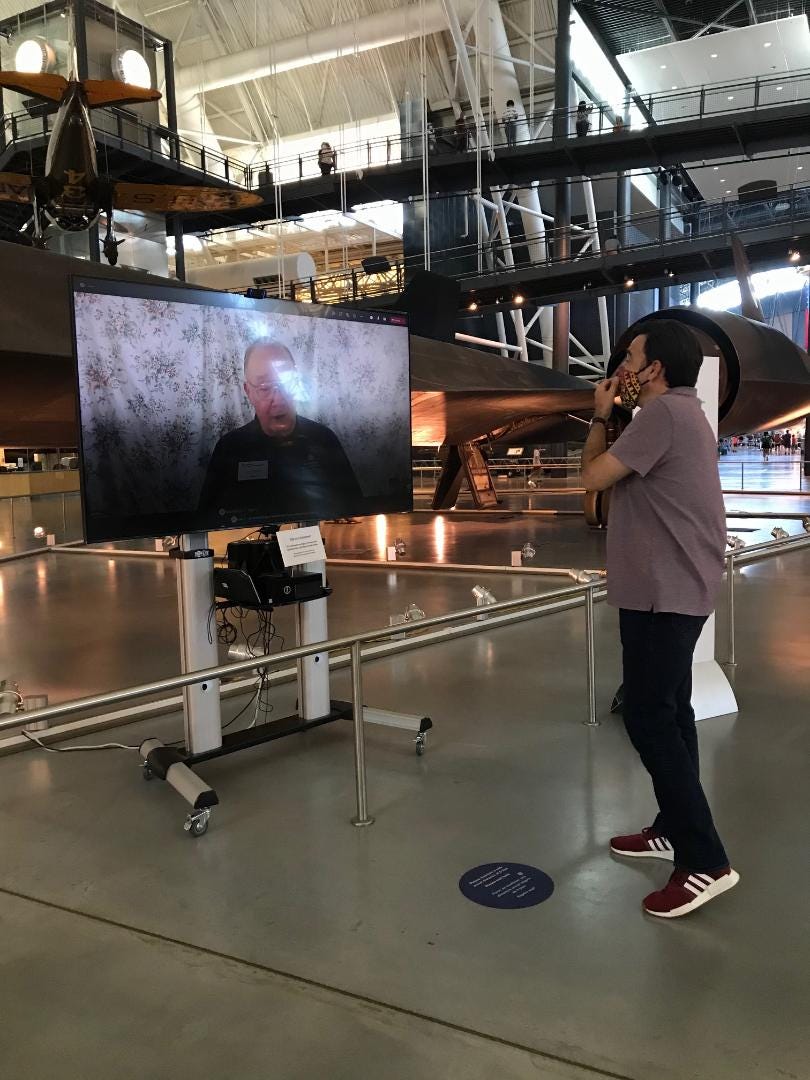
x=665 y=559
x=510 y=119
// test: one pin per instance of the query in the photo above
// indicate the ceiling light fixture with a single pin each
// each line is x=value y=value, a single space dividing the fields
x=713 y=55
x=730 y=97
x=780 y=88
x=794 y=255
x=674 y=87
x=767 y=44
x=629 y=282
x=518 y=298
x=663 y=67
x=799 y=167
x=715 y=168
x=472 y=306
x=129 y=66
x=34 y=56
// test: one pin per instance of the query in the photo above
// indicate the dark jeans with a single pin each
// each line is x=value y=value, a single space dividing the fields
x=510 y=127
x=657 y=658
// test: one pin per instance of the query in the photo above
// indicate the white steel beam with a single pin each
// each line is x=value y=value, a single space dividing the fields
x=601 y=301
x=472 y=340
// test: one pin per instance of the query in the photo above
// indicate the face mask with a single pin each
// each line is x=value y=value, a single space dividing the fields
x=630 y=388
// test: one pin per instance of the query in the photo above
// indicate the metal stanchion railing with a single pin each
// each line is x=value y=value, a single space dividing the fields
x=768 y=550
x=590 y=653
x=362 y=817
x=502 y=613
x=731 y=652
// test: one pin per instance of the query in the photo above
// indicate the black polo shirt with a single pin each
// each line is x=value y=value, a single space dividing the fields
x=304 y=475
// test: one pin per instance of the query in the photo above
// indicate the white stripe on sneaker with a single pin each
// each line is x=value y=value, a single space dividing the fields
x=692 y=888
x=697 y=879
x=667 y=845
x=719 y=885
x=709 y=880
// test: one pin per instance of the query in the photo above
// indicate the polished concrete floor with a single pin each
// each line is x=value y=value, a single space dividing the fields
x=287 y=944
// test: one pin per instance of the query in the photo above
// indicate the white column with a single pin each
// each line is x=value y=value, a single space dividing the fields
x=711 y=691
x=601 y=301
x=495 y=42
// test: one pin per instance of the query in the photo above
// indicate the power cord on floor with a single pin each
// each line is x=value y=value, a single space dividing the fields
x=75 y=749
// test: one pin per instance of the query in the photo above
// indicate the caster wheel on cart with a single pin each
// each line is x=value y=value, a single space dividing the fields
x=146 y=772
x=197 y=824
x=420 y=745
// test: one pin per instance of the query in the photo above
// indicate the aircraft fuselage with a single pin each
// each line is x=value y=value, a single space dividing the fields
x=72 y=190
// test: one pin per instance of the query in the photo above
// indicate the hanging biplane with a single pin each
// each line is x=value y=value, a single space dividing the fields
x=71 y=195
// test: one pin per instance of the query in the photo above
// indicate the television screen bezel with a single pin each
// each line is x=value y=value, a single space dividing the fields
x=142 y=526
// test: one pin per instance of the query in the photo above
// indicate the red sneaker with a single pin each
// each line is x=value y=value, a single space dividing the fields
x=648 y=844
x=684 y=892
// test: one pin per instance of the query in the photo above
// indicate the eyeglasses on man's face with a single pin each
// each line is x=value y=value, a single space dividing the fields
x=267 y=389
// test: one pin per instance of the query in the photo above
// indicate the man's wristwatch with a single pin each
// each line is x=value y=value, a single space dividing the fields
x=599 y=420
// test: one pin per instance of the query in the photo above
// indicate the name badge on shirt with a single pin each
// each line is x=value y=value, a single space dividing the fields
x=253 y=470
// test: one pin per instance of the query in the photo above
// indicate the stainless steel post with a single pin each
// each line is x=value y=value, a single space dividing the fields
x=362 y=817
x=64 y=515
x=11 y=507
x=731 y=658
x=590 y=649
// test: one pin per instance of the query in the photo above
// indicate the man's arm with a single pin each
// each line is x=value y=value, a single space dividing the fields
x=600 y=469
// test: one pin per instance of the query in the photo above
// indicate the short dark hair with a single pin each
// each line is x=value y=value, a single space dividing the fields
x=675 y=347
x=510 y=102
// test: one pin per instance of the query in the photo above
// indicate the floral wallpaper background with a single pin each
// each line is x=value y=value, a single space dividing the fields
x=160 y=382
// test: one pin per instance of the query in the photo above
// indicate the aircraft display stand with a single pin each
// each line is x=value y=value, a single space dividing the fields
x=712 y=694
x=204 y=738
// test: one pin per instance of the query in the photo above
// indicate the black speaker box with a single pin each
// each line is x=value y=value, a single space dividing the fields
x=431 y=301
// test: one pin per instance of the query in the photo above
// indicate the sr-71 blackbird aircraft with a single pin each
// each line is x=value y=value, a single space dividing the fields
x=71 y=195
x=460 y=397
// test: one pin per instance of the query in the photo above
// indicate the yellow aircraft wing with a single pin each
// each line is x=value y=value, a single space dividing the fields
x=178 y=199
x=15 y=188
x=110 y=92
x=50 y=87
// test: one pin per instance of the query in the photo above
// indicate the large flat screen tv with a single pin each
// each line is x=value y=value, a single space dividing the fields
x=202 y=410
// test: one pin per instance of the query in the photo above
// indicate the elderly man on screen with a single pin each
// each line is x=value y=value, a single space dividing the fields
x=280 y=462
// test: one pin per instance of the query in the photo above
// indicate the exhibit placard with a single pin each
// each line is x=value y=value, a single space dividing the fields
x=299 y=546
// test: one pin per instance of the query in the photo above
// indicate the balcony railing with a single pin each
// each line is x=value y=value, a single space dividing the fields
x=654 y=229
x=491 y=133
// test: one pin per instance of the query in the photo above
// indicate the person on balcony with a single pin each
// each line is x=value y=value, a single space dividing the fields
x=510 y=119
x=583 y=119
x=326 y=159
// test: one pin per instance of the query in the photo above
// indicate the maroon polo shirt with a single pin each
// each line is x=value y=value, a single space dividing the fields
x=667 y=532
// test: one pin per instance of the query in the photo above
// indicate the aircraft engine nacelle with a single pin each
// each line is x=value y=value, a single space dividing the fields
x=764 y=376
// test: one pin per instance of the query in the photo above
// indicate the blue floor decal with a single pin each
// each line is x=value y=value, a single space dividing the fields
x=506 y=885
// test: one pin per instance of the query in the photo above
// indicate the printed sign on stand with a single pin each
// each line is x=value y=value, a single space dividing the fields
x=299 y=546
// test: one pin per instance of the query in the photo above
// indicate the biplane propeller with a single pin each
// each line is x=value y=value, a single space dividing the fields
x=72 y=195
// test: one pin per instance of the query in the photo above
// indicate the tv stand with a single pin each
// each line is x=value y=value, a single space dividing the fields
x=204 y=738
